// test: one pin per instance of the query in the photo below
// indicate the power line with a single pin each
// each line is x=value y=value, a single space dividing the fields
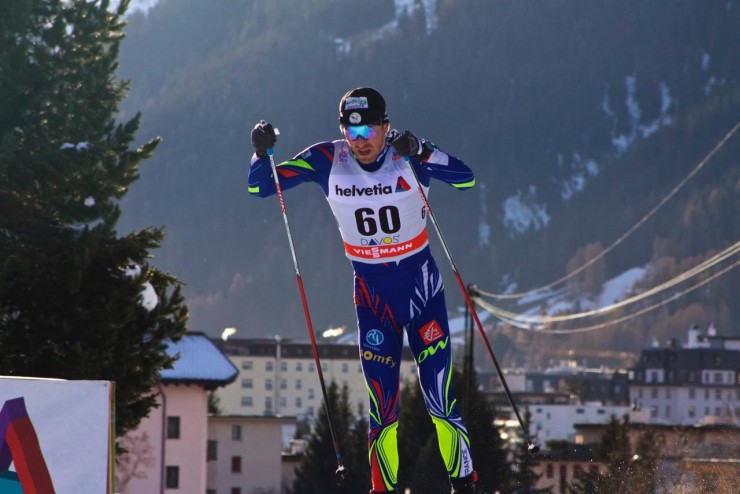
x=515 y=323
x=696 y=270
x=629 y=232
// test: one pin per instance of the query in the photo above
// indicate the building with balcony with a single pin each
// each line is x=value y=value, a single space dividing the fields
x=697 y=382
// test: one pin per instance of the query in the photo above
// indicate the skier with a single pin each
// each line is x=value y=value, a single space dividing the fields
x=397 y=286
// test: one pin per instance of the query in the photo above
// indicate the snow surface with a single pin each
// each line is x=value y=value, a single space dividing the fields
x=557 y=301
x=522 y=212
x=149 y=298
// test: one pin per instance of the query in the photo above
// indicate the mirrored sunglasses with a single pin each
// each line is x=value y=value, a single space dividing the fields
x=353 y=132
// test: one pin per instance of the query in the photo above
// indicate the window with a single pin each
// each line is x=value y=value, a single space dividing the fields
x=298 y=384
x=236 y=432
x=283 y=366
x=718 y=394
x=283 y=402
x=247 y=401
x=298 y=402
x=247 y=364
x=283 y=384
x=692 y=411
x=667 y=392
x=299 y=366
x=268 y=384
x=247 y=383
x=549 y=471
x=563 y=478
x=173 y=427
x=311 y=367
x=310 y=411
x=692 y=393
x=236 y=490
x=268 y=366
x=580 y=410
x=268 y=404
x=172 y=477
x=718 y=377
x=345 y=368
x=654 y=393
x=667 y=410
x=212 y=450
x=311 y=394
x=236 y=464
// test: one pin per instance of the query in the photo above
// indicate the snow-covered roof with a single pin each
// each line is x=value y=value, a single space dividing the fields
x=200 y=363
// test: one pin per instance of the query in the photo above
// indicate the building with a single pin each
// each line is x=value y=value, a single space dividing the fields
x=559 y=466
x=279 y=377
x=557 y=422
x=245 y=454
x=689 y=384
x=692 y=458
x=166 y=452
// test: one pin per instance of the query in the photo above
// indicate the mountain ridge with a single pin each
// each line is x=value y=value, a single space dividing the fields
x=557 y=107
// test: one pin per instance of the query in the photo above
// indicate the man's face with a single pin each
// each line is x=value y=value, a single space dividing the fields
x=366 y=141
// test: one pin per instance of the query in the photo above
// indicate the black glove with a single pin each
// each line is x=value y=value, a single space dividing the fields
x=407 y=144
x=263 y=137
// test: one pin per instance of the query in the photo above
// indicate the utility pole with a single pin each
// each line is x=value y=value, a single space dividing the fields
x=468 y=360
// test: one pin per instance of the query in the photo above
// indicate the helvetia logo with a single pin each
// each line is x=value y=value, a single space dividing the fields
x=402 y=185
x=375 y=190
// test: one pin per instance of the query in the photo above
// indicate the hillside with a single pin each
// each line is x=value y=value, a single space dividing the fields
x=577 y=117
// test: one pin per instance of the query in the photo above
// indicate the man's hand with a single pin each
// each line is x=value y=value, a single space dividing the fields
x=407 y=144
x=263 y=137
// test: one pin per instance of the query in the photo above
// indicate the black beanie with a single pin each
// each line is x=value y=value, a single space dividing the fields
x=362 y=106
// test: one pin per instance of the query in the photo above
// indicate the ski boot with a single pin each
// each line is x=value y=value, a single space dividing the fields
x=464 y=485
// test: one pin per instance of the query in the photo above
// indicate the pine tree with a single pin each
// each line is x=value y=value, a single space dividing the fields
x=487 y=447
x=524 y=476
x=420 y=464
x=72 y=301
x=627 y=470
x=414 y=428
x=356 y=456
x=317 y=469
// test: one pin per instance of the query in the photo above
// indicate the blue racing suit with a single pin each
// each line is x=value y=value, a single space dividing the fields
x=398 y=287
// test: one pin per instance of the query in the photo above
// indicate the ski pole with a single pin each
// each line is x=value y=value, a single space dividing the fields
x=533 y=448
x=341 y=472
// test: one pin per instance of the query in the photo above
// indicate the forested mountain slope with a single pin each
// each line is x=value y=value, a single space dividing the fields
x=578 y=117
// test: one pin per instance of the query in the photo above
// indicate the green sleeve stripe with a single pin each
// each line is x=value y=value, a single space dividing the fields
x=466 y=185
x=297 y=163
x=253 y=190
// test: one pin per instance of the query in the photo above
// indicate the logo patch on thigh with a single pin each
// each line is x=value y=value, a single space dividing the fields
x=431 y=332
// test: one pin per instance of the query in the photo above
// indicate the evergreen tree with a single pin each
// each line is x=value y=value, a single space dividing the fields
x=76 y=300
x=524 y=476
x=317 y=469
x=420 y=464
x=488 y=449
x=356 y=457
x=627 y=470
x=414 y=429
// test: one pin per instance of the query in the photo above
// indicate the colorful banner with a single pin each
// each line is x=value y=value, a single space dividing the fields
x=55 y=436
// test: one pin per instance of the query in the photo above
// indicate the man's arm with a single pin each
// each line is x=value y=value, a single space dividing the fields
x=431 y=162
x=311 y=165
